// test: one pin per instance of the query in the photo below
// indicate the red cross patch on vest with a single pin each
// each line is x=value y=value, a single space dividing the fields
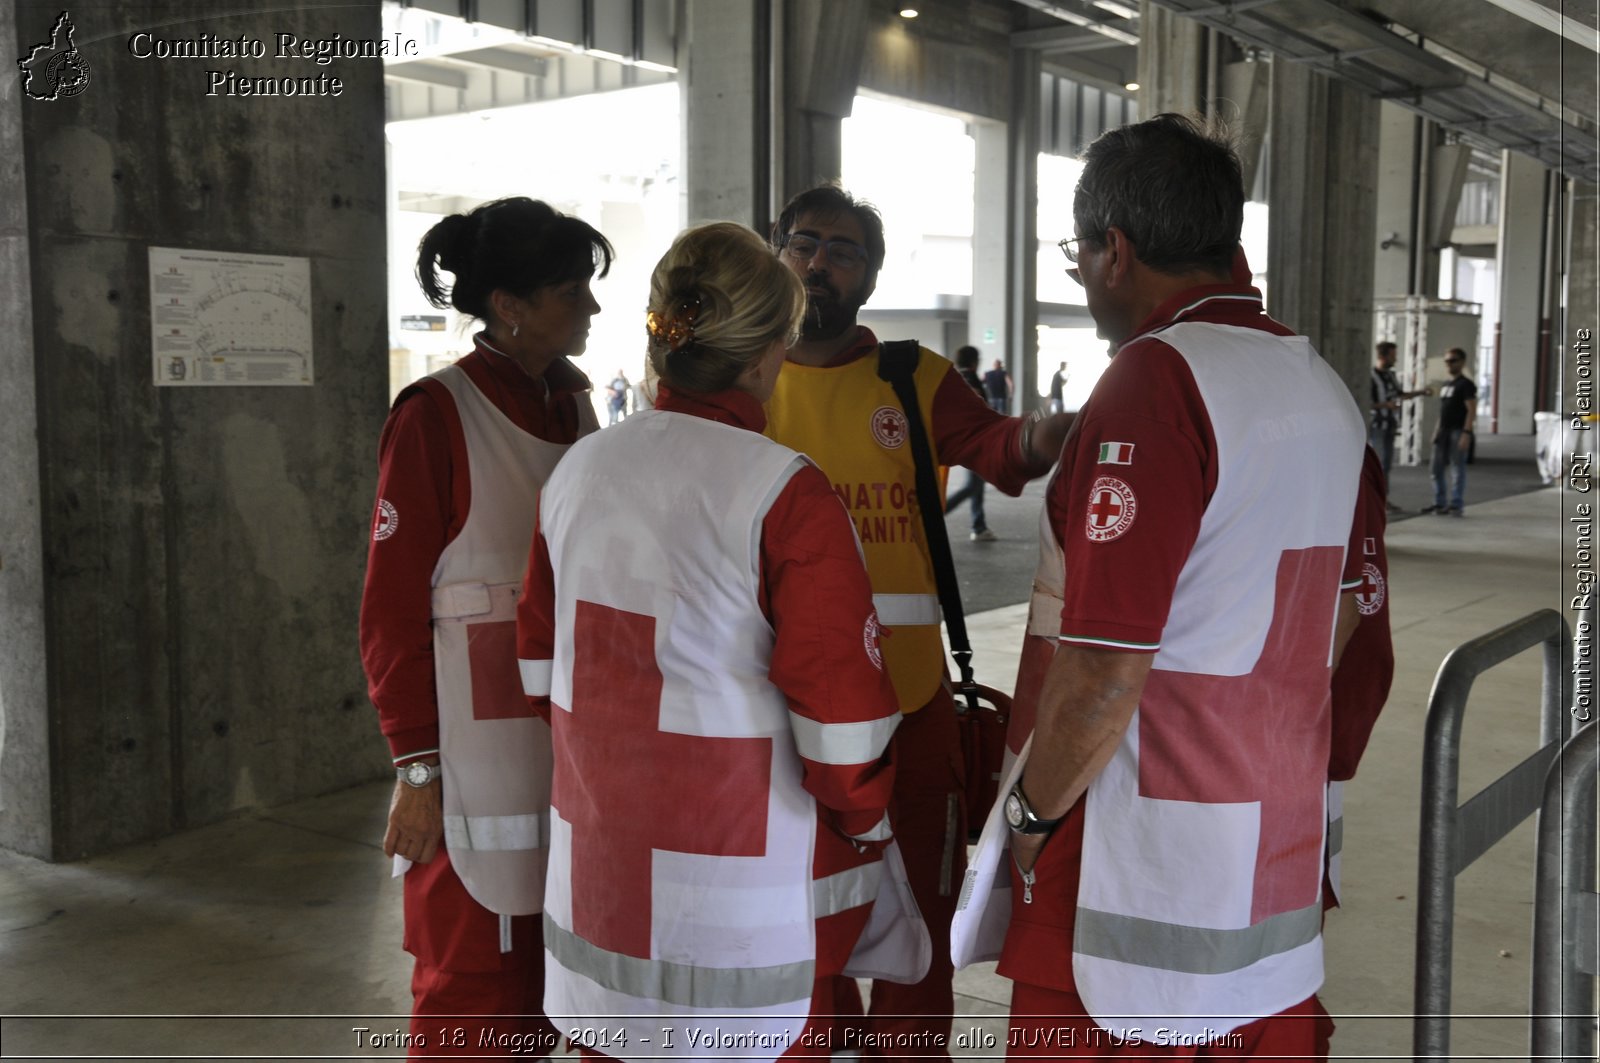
x=629 y=788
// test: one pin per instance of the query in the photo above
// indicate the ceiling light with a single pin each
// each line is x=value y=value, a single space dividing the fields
x=908 y=12
x=1132 y=86
x=1117 y=8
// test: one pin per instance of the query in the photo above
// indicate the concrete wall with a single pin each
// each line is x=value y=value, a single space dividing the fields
x=24 y=723
x=203 y=548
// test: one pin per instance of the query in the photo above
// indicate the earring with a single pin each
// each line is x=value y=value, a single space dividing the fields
x=514 y=330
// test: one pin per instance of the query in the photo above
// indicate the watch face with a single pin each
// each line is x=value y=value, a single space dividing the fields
x=1014 y=814
x=417 y=774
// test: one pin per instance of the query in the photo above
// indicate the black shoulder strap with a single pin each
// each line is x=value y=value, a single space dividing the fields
x=897 y=365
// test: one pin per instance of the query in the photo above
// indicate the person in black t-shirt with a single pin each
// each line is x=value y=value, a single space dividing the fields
x=1452 y=438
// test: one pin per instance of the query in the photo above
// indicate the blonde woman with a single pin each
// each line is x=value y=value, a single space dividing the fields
x=698 y=627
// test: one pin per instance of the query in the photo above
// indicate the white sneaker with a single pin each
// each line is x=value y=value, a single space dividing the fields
x=985 y=536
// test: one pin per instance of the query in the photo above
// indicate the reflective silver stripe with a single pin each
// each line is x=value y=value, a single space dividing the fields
x=535 y=677
x=847 y=889
x=1336 y=836
x=505 y=933
x=879 y=833
x=840 y=743
x=910 y=609
x=681 y=983
x=1192 y=949
x=497 y=833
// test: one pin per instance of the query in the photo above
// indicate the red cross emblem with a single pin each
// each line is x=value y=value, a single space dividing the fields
x=889 y=427
x=385 y=521
x=629 y=788
x=870 y=636
x=1277 y=720
x=1373 y=590
x=1111 y=509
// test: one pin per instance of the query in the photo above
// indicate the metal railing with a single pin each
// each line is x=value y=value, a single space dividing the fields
x=1566 y=912
x=1453 y=837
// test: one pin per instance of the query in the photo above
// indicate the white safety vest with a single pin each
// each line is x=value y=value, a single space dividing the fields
x=1171 y=929
x=494 y=753
x=654 y=532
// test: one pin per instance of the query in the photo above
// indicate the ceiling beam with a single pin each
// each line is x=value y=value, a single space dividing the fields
x=427 y=73
x=1058 y=10
x=1555 y=21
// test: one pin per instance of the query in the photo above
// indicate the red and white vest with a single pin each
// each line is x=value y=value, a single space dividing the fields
x=1199 y=900
x=495 y=754
x=680 y=879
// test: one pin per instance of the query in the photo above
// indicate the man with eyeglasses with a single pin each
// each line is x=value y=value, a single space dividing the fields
x=1452 y=436
x=1196 y=581
x=830 y=403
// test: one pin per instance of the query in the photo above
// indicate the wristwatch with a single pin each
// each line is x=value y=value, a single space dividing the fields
x=1020 y=816
x=418 y=773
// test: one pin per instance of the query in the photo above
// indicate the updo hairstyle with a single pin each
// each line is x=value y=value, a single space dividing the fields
x=719 y=297
x=517 y=245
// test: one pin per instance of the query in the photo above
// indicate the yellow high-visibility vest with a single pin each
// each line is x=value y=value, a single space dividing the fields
x=850 y=423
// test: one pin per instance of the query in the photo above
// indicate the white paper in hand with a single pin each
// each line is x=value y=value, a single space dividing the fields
x=983 y=910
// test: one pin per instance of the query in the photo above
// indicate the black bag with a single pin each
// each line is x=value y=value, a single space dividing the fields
x=983 y=712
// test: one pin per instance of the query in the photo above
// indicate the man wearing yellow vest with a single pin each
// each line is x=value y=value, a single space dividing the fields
x=831 y=404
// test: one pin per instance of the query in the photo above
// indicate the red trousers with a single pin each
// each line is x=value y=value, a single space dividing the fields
x=1052 y=1024
x=468 y=997
x=930 y=821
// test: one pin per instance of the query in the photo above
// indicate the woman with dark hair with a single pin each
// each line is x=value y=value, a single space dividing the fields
x=461 y=462
x=698 y=627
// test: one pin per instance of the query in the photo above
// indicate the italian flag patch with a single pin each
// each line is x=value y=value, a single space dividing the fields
x=1116 y=453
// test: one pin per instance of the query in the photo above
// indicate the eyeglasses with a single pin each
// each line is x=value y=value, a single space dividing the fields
x=1453 y=361
x=1071 y=247
x=840 y=253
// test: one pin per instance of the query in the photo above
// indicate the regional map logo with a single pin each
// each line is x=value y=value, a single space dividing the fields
x=55 y=69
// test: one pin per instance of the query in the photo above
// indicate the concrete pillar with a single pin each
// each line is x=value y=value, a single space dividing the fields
x=26 y=778
x=724 y=81
x=180 y=568
x=1394 y=211
x=823 y=43
x=1520 y=266
x=1244 y=103
x=1022 y=214
x=1173 y=58
x=986 y=313
x=1322 y=195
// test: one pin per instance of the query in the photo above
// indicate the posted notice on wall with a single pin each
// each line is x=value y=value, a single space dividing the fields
x=227 y=318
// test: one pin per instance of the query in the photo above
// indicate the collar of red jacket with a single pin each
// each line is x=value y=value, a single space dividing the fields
x=735 y=407
x=562 y=377
x=865 y=343
x=1225 y=304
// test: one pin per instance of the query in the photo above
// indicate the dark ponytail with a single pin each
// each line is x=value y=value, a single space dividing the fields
x=518 y=245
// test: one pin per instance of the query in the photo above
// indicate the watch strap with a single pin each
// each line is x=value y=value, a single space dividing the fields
x=1032 y=822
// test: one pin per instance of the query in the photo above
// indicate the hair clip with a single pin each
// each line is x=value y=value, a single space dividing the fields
x=675 y=328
